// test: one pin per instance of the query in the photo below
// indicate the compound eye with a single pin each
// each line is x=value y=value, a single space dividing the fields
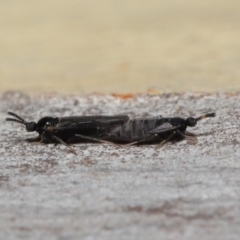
x=191 y=122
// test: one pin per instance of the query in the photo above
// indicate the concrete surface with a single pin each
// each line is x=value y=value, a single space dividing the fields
x=183 y=190
x=119 y=46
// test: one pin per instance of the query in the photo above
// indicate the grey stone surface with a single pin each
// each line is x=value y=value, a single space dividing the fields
x=183 y=190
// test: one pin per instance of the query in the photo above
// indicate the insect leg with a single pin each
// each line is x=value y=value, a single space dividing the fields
x=165 y=140
x=61 y=141
x=42 y=138
x=163 y=129
x=93 y=139
x=35 y=139
x=191 y=137
x=189 y=134
x=142 y=141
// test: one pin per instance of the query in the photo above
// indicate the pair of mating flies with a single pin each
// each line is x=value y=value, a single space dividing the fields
x=114 y=129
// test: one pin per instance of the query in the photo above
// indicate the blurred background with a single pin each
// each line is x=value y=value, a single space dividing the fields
x=123 y=46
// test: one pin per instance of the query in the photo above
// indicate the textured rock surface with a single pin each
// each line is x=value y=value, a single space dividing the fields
x=180 y=191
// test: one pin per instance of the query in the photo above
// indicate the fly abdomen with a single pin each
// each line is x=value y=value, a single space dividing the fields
x=135 y=129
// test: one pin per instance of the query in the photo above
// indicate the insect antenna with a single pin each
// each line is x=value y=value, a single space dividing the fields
x=16 y=116
x=30 y=126
x=16 y=119
x=208 y=115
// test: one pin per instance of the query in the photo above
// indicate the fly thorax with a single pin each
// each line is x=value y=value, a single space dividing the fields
x=179 y=122
x=46 y=137
x=46 y=124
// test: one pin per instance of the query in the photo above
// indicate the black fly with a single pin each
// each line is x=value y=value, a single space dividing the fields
x=119 y=128
x=70 y=129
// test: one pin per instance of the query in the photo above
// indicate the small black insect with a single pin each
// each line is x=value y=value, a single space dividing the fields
x=154 y=129
x=119 y=128
x=70 y=129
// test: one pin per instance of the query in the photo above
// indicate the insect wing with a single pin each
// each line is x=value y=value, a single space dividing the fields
x=165 y=127
x=90 y=122
x=154 y=117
